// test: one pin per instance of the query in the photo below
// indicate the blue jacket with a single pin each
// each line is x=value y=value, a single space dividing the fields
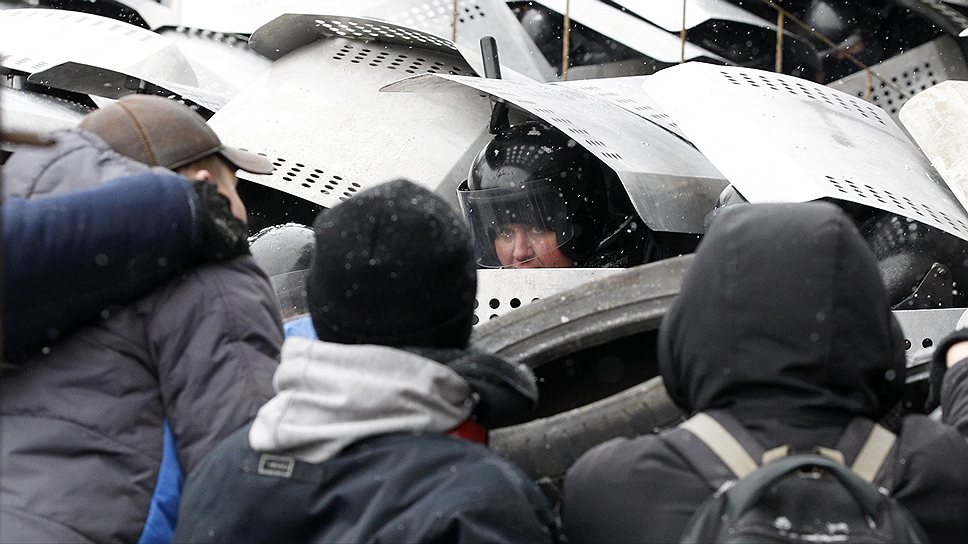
x=68 y=257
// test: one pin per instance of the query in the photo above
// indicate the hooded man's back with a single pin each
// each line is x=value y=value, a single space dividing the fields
x=782 y=323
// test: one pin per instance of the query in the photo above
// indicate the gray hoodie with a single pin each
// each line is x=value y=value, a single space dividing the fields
x=331 y=395
x=353 y=448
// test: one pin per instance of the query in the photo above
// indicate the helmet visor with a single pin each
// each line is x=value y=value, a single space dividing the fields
x=290 y=289
x=514 y=225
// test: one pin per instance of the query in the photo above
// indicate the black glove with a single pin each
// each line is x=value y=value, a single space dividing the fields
x=507 y=392
x=224 y=236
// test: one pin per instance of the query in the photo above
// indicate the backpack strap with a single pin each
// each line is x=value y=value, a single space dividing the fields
x=874 y=452
x=722 y=443
x=700 y=453
x=867 y=446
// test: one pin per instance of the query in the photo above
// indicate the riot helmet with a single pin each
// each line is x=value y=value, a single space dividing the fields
x=284 y=253
x=534 y=188
x=853 y=30
x=544 y=27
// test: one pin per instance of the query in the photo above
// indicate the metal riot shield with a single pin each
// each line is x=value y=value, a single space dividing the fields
x=783 y=139
x=317 y=113
x=223 y=63
x=897 y=79
x=117 y=58
x=500 y=291
x=670 y=183
x=471 y=20
x=937 y=119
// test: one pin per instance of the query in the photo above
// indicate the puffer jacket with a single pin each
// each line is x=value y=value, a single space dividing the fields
x=783 y=323
x=353 y=448
x=86 y=426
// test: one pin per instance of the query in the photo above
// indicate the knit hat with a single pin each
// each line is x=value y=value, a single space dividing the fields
x=160 y=132
x=393 y=266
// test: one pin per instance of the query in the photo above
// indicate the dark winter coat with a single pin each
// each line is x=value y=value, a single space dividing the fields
x=70 y=256
x=783 y=322
x=83 y=426
x=353 y=449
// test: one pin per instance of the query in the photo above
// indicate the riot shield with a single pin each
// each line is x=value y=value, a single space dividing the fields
x=901 y=77
x=937 y=119
x=117 y=58
x=471 y=20
x=317 y=112
x=783 y=139
x=671 y=185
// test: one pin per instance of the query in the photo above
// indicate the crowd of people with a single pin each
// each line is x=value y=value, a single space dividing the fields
x=156 y=387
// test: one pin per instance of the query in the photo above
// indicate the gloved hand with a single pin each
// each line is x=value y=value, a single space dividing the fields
x=939 y=361
x=507 y=392
x=224 y=236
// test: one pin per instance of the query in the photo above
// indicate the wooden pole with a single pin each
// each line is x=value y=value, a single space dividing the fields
x=779 y=42
x=566 y=42
x=453 y=23
x=682 y=35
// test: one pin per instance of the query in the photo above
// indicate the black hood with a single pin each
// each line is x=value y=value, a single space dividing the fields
x=783 y=316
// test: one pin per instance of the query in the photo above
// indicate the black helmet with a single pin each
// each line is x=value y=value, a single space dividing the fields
x=534 y=175
x=284 y=252
x=852 y=27
x=544 y=27
x=838 y=21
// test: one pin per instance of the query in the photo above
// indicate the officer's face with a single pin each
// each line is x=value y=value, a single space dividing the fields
x=519 y=245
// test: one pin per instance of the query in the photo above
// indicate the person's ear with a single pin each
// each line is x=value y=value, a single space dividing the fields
x=202 y=175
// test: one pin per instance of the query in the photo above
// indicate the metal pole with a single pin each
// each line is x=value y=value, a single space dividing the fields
x=453 y=22
x=779 y=42
x=682 y=35
x=566 y=42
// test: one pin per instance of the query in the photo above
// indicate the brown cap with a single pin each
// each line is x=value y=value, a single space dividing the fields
x=161 y=132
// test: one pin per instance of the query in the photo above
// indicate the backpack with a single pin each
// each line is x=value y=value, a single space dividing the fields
x=793 y=497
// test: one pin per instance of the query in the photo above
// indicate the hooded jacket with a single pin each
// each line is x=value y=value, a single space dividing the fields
x=86 y=426
x=782 y=322
x=353 y=449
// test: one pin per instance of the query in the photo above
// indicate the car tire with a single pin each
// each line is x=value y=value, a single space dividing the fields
x=545 y=448
x=631 y=302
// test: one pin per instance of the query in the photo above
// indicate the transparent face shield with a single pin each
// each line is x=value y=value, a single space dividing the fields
x=512 y=226
x=290 y=289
